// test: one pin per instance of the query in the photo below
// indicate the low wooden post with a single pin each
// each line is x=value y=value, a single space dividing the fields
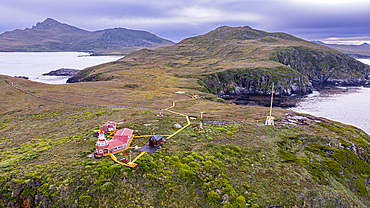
x=201 y=120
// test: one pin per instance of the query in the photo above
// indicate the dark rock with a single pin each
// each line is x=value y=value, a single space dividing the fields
x=262 y=100
x=24 y=77
x=62 y=72
x=132 y=86
x=73 y=80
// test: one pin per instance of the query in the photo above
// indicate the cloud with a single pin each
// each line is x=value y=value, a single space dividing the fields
x=347 y=40
x=176 y=20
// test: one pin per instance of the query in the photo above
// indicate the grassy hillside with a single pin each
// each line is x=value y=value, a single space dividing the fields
x=251 y=60
x=299 y=162
x=303 y=161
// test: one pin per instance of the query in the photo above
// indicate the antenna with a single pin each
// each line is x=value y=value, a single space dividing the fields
x=269 y=119
x=272 y=98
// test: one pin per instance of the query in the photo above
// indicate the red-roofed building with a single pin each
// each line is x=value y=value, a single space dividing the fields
x=108 y=127
x=123 y=135
x=119 y=142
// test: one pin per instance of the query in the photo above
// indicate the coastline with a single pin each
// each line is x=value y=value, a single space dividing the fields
x=344 y=105
x=286 y=101
x=330 y=87
x=34 y=64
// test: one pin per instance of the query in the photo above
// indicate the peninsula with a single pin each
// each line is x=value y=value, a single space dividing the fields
x=223 y=156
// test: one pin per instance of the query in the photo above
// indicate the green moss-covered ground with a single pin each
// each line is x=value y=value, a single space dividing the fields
x=243 y=164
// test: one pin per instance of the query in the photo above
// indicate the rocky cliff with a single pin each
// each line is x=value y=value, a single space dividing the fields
x=322 y=66
x=257 y=81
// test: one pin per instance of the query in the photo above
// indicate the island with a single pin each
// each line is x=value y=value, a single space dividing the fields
x=222 y=156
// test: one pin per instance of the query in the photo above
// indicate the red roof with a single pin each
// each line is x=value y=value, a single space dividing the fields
x=123 y=135
x=114 y=143
x=108 y=127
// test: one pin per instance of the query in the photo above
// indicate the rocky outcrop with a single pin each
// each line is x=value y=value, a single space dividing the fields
x=89 y=75
x=324 y=67
x=257 y=81
x=62 y=72
x=80 y=76
x=23 y=77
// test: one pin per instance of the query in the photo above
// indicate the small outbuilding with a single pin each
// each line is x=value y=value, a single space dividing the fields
x=108 y=127
x=155 y=140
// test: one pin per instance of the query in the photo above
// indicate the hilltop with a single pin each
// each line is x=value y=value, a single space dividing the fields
x=48 y=132
x=241 y=61
x=51 y=35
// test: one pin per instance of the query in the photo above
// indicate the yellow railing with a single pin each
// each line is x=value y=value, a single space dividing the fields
x=133 y=164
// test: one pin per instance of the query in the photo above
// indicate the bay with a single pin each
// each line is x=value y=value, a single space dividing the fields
x=34 y=64
x=348 y=105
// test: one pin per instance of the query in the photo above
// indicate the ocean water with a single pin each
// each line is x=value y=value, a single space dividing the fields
x=34 y=64
x=346 y=105
x=365 y=61
x=349 y=107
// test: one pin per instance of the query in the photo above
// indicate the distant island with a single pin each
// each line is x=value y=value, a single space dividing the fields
x=51 y=35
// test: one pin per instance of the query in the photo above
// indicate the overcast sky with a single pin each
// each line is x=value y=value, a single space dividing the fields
x=325 y=20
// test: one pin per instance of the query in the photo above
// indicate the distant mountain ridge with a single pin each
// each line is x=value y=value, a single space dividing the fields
x=356 y=51
x=51 y=35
